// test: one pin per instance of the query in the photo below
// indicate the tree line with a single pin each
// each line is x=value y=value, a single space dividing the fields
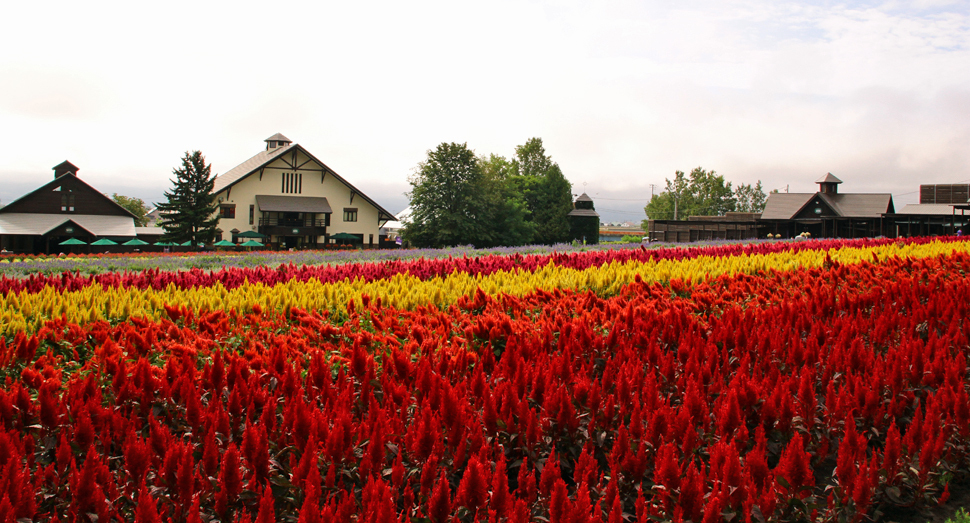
x=458 y=198
x=703 y=193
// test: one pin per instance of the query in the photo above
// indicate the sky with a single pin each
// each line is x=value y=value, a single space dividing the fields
x=622 y=93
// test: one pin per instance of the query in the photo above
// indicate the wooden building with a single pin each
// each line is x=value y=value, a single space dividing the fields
x=584 y=221
x=295 y=200
x=827 y=213
x=731 y=226
x=64 y=208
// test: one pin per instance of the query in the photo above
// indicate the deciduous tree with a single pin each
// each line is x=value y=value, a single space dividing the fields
x=133 y=205
x=450 y=200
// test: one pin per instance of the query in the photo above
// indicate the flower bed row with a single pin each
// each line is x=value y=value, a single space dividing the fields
x=822 y=391
x=414 y=284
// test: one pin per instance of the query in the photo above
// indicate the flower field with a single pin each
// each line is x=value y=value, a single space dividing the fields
x=817 y=380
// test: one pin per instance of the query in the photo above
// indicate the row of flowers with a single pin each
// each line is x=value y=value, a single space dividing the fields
x=25 y=304
x=807 y=384
x=18 y=266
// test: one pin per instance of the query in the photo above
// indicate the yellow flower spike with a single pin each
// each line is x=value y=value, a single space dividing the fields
x=26 y=311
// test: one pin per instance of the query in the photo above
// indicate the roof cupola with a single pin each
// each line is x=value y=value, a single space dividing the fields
x=63 y=168
x=277 y=140
x=828 y=184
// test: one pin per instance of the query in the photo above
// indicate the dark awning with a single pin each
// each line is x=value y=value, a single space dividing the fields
x=311 y=204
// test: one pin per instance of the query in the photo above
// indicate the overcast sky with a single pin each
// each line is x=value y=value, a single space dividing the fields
x=622 y=93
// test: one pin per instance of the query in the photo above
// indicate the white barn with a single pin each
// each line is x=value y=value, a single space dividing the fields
x=295 y=200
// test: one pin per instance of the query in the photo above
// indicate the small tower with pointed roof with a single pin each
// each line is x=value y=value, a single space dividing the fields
x=828 y=184
x=277 y=140
x=63 y=168
x=584 y=221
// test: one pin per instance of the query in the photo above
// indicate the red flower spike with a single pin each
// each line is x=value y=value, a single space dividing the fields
x=439 y=505
x=891 y=453
x=473 y=489
x=795 y=466
x=267 y=513
x=146 y=511
x=667 y=470
x=230 y=479
x=185 y=478
x=550 y=473
x=560 y=509
x=692 y=493
x=527 y=482
x=194 y=515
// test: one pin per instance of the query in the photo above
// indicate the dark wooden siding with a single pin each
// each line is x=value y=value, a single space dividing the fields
x=47 y=200
x=944 y=193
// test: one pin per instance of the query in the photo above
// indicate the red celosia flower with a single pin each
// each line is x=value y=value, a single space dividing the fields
x=146 y=511
x=230 y=479
x=795 y=466
x=692 y=489
x=667 y=470
x=267 y=513
x=439 y=505
x=891 y=453
x=550 y=473
x=560 y=509
x=473 y=489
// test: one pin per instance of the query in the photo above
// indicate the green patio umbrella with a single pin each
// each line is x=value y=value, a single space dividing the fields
x=164 y=244
x=186 y=244
x=73 y=241
x=345 y=236
x=104 y=241
x=250 y=234
x=135 y=241
x=224 y=243
x=252 y=243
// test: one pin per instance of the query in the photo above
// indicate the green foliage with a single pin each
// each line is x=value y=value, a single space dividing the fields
x=961 y=516
x=546 y=192
x=457 y=198
x=702 y=193
x=532 y=158
x=133 y=205
x=190 y=214
x=749 y=198
x=629 y=238
x=452 y=201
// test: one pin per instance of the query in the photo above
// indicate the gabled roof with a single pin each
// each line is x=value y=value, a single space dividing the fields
x=264 y=158
x=583 y=212
x=934 y=209
x=237 y=173
x=39 y=224
x=859 y=205
x=783 y=206
x=58 y=181
x=65 y=166
x=828 y=178
x=278 y=137
x=584 y=198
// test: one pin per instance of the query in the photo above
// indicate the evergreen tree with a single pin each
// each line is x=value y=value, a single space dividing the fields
x=191 y=213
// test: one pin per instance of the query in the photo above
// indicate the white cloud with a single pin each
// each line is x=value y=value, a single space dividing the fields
x=623 y=93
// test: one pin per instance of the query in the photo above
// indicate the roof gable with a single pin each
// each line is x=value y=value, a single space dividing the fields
x=290 y=155
x=46 y=199
x=860 y=205
x=784 y=206
x=816 y=207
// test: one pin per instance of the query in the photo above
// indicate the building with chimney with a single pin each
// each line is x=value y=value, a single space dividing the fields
x=63 y=208
x=294 y=200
